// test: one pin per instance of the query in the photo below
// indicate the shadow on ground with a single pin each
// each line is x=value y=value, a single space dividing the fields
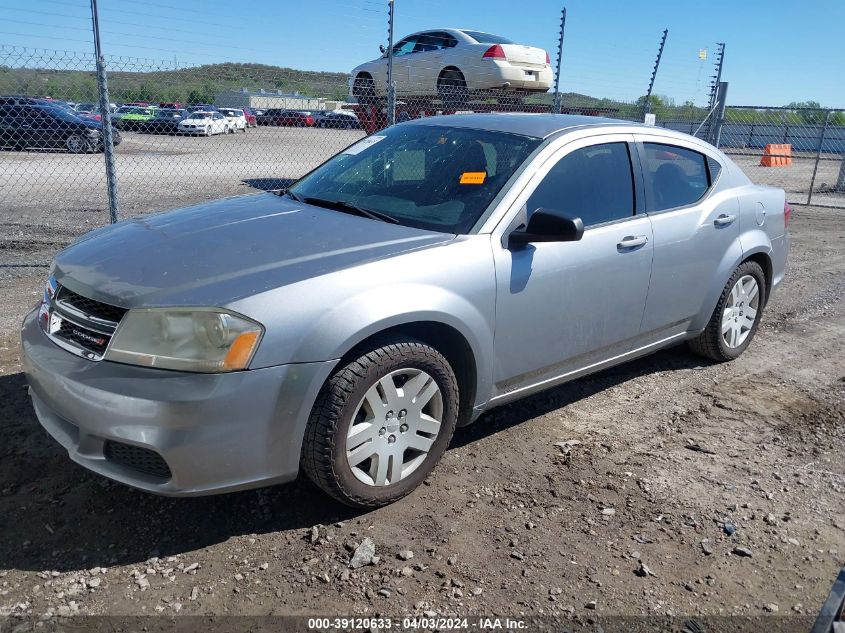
x=55 y=515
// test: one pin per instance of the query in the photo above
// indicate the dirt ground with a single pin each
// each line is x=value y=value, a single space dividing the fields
x=663 y=457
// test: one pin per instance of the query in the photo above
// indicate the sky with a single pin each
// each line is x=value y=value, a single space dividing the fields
x=776 y=51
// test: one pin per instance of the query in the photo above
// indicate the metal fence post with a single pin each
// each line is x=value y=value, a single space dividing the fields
x=557 y=102
x=719 y=115
x=840 y=180
x=105 y=118
x=391 y=87
x=647 y=109
x=818 y=156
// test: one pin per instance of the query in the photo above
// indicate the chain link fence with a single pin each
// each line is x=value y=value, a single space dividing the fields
x=189 y=134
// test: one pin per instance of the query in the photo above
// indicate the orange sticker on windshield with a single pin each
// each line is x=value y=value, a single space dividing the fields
x=473 y=177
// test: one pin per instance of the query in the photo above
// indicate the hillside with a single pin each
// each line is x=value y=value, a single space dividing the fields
x=195 y=84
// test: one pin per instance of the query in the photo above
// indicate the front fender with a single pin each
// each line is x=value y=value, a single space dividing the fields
x=363 y=315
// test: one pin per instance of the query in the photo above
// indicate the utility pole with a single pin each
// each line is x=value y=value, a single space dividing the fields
x=391 y=89
x=557 y=102
x=105 y=117
x=654 y=71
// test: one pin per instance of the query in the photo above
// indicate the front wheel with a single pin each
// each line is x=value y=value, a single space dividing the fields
x=77 y=144
x=381 y=423
x=737 y=315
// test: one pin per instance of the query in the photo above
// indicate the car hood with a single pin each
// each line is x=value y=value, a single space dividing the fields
x=216 y=253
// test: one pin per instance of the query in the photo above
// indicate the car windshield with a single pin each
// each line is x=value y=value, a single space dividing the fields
x=60 y=113
x=200 y=115
x=431 y=177
x=487 y=38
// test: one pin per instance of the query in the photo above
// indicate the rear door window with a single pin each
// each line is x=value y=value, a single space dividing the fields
x=594 y=183
x=675 y=176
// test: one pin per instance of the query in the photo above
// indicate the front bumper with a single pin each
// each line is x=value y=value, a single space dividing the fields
x=216 y=432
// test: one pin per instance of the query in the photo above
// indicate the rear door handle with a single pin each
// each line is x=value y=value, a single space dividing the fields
x=724 y=220
x=631 y=242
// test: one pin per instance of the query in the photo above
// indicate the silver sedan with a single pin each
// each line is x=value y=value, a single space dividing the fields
x=426 y=274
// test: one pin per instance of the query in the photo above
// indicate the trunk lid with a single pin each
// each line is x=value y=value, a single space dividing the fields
x=522 y=55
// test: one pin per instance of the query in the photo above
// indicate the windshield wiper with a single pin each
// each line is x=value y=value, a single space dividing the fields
x=348 y=207
x=291 y=194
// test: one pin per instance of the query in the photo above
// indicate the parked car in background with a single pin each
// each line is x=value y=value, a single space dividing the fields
x=235 y=118
x=171 y=105
x=166 y=121
x=43 y=126
x=201 y=107
x=453 y=63
x=290 y=118
x=250 y=116
x=426 y=274
x=266 y=117
x=339 y=119
x=131 y=117
x=204 y=123
x=89 y=107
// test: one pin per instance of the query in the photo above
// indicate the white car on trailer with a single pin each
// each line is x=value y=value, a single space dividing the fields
x=452 y=63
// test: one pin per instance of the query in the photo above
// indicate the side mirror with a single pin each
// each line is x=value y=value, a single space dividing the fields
x=382 y=49
x=547 y=225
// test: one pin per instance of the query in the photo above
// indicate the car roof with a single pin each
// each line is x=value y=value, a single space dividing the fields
x=525 y=124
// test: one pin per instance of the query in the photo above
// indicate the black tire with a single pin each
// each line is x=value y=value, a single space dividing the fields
x=710 y=343
x=324 y=446
x=364 y=89
x=452 y=89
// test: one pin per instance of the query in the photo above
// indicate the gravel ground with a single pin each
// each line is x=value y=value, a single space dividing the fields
x=665 y=486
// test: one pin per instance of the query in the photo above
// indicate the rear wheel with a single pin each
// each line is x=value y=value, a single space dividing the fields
x=381 y=424
x=737 y=315
x=452 y=89
x=364 y=89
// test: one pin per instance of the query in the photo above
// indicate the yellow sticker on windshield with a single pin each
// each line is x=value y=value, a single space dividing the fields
x=473 y=177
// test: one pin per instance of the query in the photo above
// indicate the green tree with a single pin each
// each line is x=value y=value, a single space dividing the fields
x=809 y=112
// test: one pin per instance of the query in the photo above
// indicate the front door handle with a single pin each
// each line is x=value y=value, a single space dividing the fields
x=631 y=242
x=724 y=220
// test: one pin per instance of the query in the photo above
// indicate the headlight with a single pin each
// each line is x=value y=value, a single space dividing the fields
x=191 y=339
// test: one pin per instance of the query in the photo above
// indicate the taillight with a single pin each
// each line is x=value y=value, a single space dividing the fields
x=494 y=52
x=787 y=214
x=548 y=59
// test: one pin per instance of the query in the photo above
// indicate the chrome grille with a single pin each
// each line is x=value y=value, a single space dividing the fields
x=89 y=307
x=79 y=324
